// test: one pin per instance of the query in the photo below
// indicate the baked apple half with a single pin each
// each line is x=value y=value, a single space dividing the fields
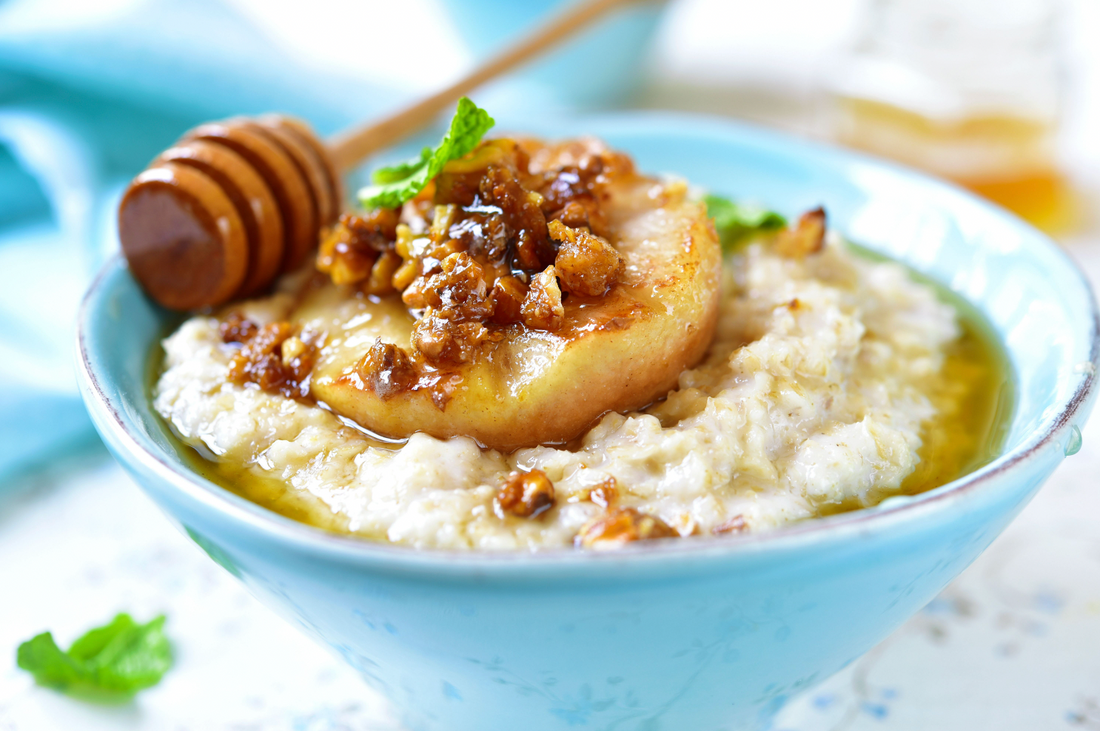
x=528 y=291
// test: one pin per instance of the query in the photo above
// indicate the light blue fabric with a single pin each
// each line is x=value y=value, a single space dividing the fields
x=89 y=93
x=48 y=191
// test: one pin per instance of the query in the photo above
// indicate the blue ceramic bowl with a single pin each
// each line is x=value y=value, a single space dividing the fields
x=701 y=634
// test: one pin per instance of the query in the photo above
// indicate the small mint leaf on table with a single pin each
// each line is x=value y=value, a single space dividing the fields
x=119 y=658
x=398 y=183
x=736 y=223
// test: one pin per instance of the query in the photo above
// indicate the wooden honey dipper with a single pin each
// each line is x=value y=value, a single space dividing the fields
x=236 y=203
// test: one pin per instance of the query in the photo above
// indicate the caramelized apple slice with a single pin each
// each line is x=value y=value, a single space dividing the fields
x=616 y=352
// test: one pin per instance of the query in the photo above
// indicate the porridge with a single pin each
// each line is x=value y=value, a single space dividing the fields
x=545 y=348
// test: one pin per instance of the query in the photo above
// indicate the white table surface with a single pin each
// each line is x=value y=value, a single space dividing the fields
x=1013 y=644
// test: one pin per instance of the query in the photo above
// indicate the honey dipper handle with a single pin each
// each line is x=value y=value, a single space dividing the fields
x=349 y=147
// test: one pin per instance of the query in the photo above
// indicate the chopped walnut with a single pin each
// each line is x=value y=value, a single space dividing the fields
x=580 y=179
x=442 y=218
x=736 y=524
x=386 y=369
x=542 y=308
x=586 y=263
x=414 y=296
x=236 y=329
x=456 y=303
x=620 y=526
x=349 y=251
x=275 y=360
x=473 y=254
x=458 y=291
x=405 y=275
x=380 y=281
x=445 y=342
x=525 y=494
x=605 y=493
x=574 y=215
x=508 y=295
x=292 y=349
x=804 y=238
x=500 y=188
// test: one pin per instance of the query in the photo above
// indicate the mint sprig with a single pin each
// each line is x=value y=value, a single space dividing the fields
x=736 y=223
x=398 y=183
x=119 y=658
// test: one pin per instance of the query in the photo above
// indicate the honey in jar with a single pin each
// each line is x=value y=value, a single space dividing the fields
x=969 y=90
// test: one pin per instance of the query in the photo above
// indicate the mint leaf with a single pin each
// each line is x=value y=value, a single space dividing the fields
x=121 y=657
x=41 y=656
x=398 y=183
x=738 y=222
x=400 y=171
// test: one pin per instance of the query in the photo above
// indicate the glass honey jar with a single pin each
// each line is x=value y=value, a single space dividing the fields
x=970 y=90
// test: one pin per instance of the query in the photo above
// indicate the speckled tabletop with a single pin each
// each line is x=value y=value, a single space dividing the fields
x=1013 y=644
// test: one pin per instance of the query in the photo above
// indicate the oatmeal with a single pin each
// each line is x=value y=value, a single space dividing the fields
x=543 y=347
x=825 y=371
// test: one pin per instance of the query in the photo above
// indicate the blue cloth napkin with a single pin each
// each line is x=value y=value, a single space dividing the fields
x=91 y=91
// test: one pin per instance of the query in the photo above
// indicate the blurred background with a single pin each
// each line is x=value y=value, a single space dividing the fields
x=1002 y=96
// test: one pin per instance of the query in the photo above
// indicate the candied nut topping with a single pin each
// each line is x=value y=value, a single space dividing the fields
x=236 y=328
x=574 y=215
x=292 y=349
x=446 y=343
x=804 y=238
x=380 y=281
x=605 y=493
x=581 y=182
x=495 y=241
x=586 y=263
x=508 y=296
x=620 y=526
x=523 y=217
x=542 y=308
x=348 y=253
x=458 y=291
x=387 y=369
x=273 y=358
x=736 y=524
x=525 y=494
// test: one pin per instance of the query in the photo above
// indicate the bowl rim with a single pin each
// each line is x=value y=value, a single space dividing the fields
x=317 y=542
